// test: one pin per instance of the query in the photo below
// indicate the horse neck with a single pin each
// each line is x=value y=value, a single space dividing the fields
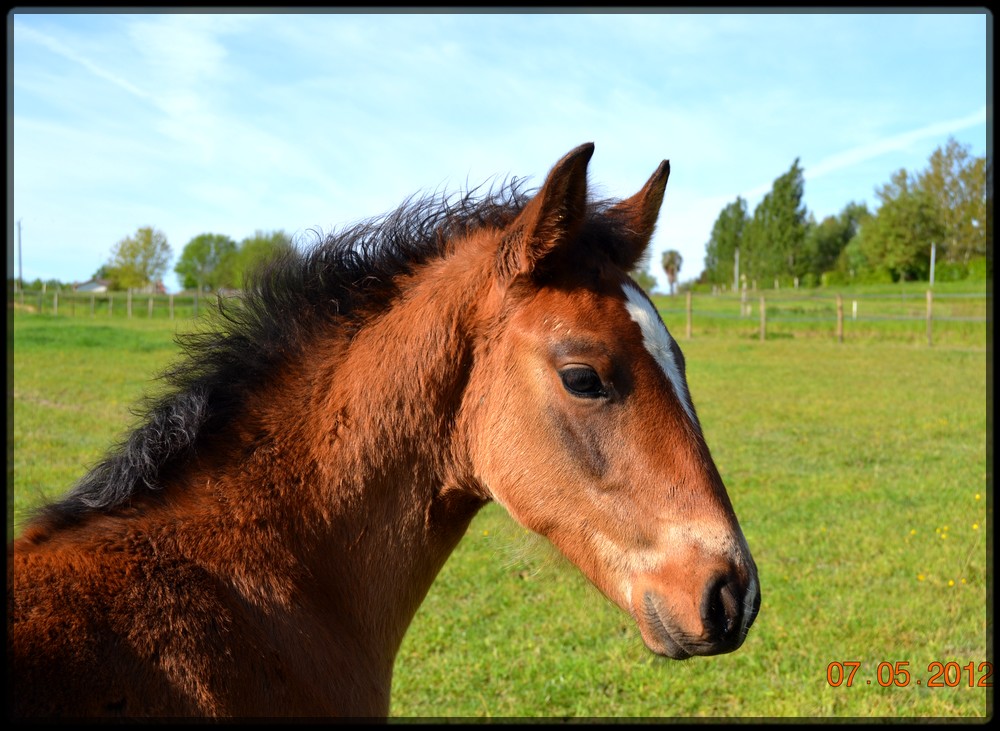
x=355 y=452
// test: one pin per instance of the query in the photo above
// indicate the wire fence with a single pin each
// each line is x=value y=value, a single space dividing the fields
x=117 y=305
x=908 y=315
x=958 y=317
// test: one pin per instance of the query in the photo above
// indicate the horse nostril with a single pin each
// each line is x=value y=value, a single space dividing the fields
x=721 y=609
x=754 y=609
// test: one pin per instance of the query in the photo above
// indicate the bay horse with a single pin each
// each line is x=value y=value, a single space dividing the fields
x=258 y=545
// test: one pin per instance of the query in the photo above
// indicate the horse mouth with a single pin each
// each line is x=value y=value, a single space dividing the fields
x=662 y=633
x=656 y=633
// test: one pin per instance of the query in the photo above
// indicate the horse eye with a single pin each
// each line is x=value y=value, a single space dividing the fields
x=582 y=381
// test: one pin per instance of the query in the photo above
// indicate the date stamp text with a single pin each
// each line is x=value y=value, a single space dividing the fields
x=939 y=675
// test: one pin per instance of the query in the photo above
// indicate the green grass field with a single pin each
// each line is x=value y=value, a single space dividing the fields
x=896 y=312
x=859 y=472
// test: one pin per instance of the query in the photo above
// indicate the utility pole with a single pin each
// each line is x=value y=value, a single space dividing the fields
x=20 y=262
x=933 y=252
x=736 y=270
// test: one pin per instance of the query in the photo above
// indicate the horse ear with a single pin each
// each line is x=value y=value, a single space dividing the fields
x=550 y=219
x=638 y=216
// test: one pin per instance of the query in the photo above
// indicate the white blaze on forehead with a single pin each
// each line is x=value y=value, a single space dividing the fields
x=658 y=342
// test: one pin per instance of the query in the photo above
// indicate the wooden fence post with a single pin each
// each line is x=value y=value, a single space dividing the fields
x=150 y=310
x=840 y=318
x=55 y=303
x=930 y=314
x=689 y=314
x=111 y=303
x=128 y=304
x=92 y=298
x=763 y=319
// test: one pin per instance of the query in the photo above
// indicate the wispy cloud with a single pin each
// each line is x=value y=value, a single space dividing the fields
x=27 y=33
x=230 y=122
x=895 y=143
x=852 y=158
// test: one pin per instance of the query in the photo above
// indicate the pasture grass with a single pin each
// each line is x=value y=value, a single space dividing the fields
x=75 y=383
x=859 y=472
x=895 y=312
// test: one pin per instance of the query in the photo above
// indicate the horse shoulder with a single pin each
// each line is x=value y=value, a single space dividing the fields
x=95 y=628
x=132 y=626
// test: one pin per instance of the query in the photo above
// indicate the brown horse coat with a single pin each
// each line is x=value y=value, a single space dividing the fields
x=259 y=544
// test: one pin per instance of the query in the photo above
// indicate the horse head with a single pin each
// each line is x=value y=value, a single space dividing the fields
x=578 y=419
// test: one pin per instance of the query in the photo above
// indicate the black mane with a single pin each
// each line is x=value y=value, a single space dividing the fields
x=334 y=283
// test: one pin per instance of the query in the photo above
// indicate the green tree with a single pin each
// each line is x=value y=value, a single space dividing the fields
x=898 y=237
x=139 y=260
x=825 y=241
x=726 y=238
x=671 y=262
x=775 y=234
x=199 y=262
x=249 y=254
x=103 y=272
x=852 y=264
x=957 y=183
x=49 y=285
x=644 y=279
x=641 y=274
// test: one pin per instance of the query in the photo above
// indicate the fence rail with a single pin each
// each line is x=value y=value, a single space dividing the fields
x=115 y=304
x=762 y=315
x=779 y=314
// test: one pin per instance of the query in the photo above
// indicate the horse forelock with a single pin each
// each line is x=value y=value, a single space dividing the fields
x=330 y=286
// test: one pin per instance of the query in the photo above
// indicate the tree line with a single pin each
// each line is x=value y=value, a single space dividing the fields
x=947 y=206
x=211 y=262
x=208 y=262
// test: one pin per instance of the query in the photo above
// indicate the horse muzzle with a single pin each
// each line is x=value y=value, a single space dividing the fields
x=715 y=622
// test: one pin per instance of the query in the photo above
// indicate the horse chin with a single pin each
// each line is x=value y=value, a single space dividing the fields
x=658 y=630
x=663 y=644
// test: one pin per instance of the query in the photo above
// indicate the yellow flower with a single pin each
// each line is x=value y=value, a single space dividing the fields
x=951 y=582
x=920 y=577
x=978 y=496
x=975 y=526
x=963 y=581
x=486 y=532
x=913 y=531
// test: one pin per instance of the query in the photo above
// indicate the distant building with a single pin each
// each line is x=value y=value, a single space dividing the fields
x=94 y=285
x=100 y=286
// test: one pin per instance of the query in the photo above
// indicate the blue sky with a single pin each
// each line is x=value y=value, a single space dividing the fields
x=230 y=123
